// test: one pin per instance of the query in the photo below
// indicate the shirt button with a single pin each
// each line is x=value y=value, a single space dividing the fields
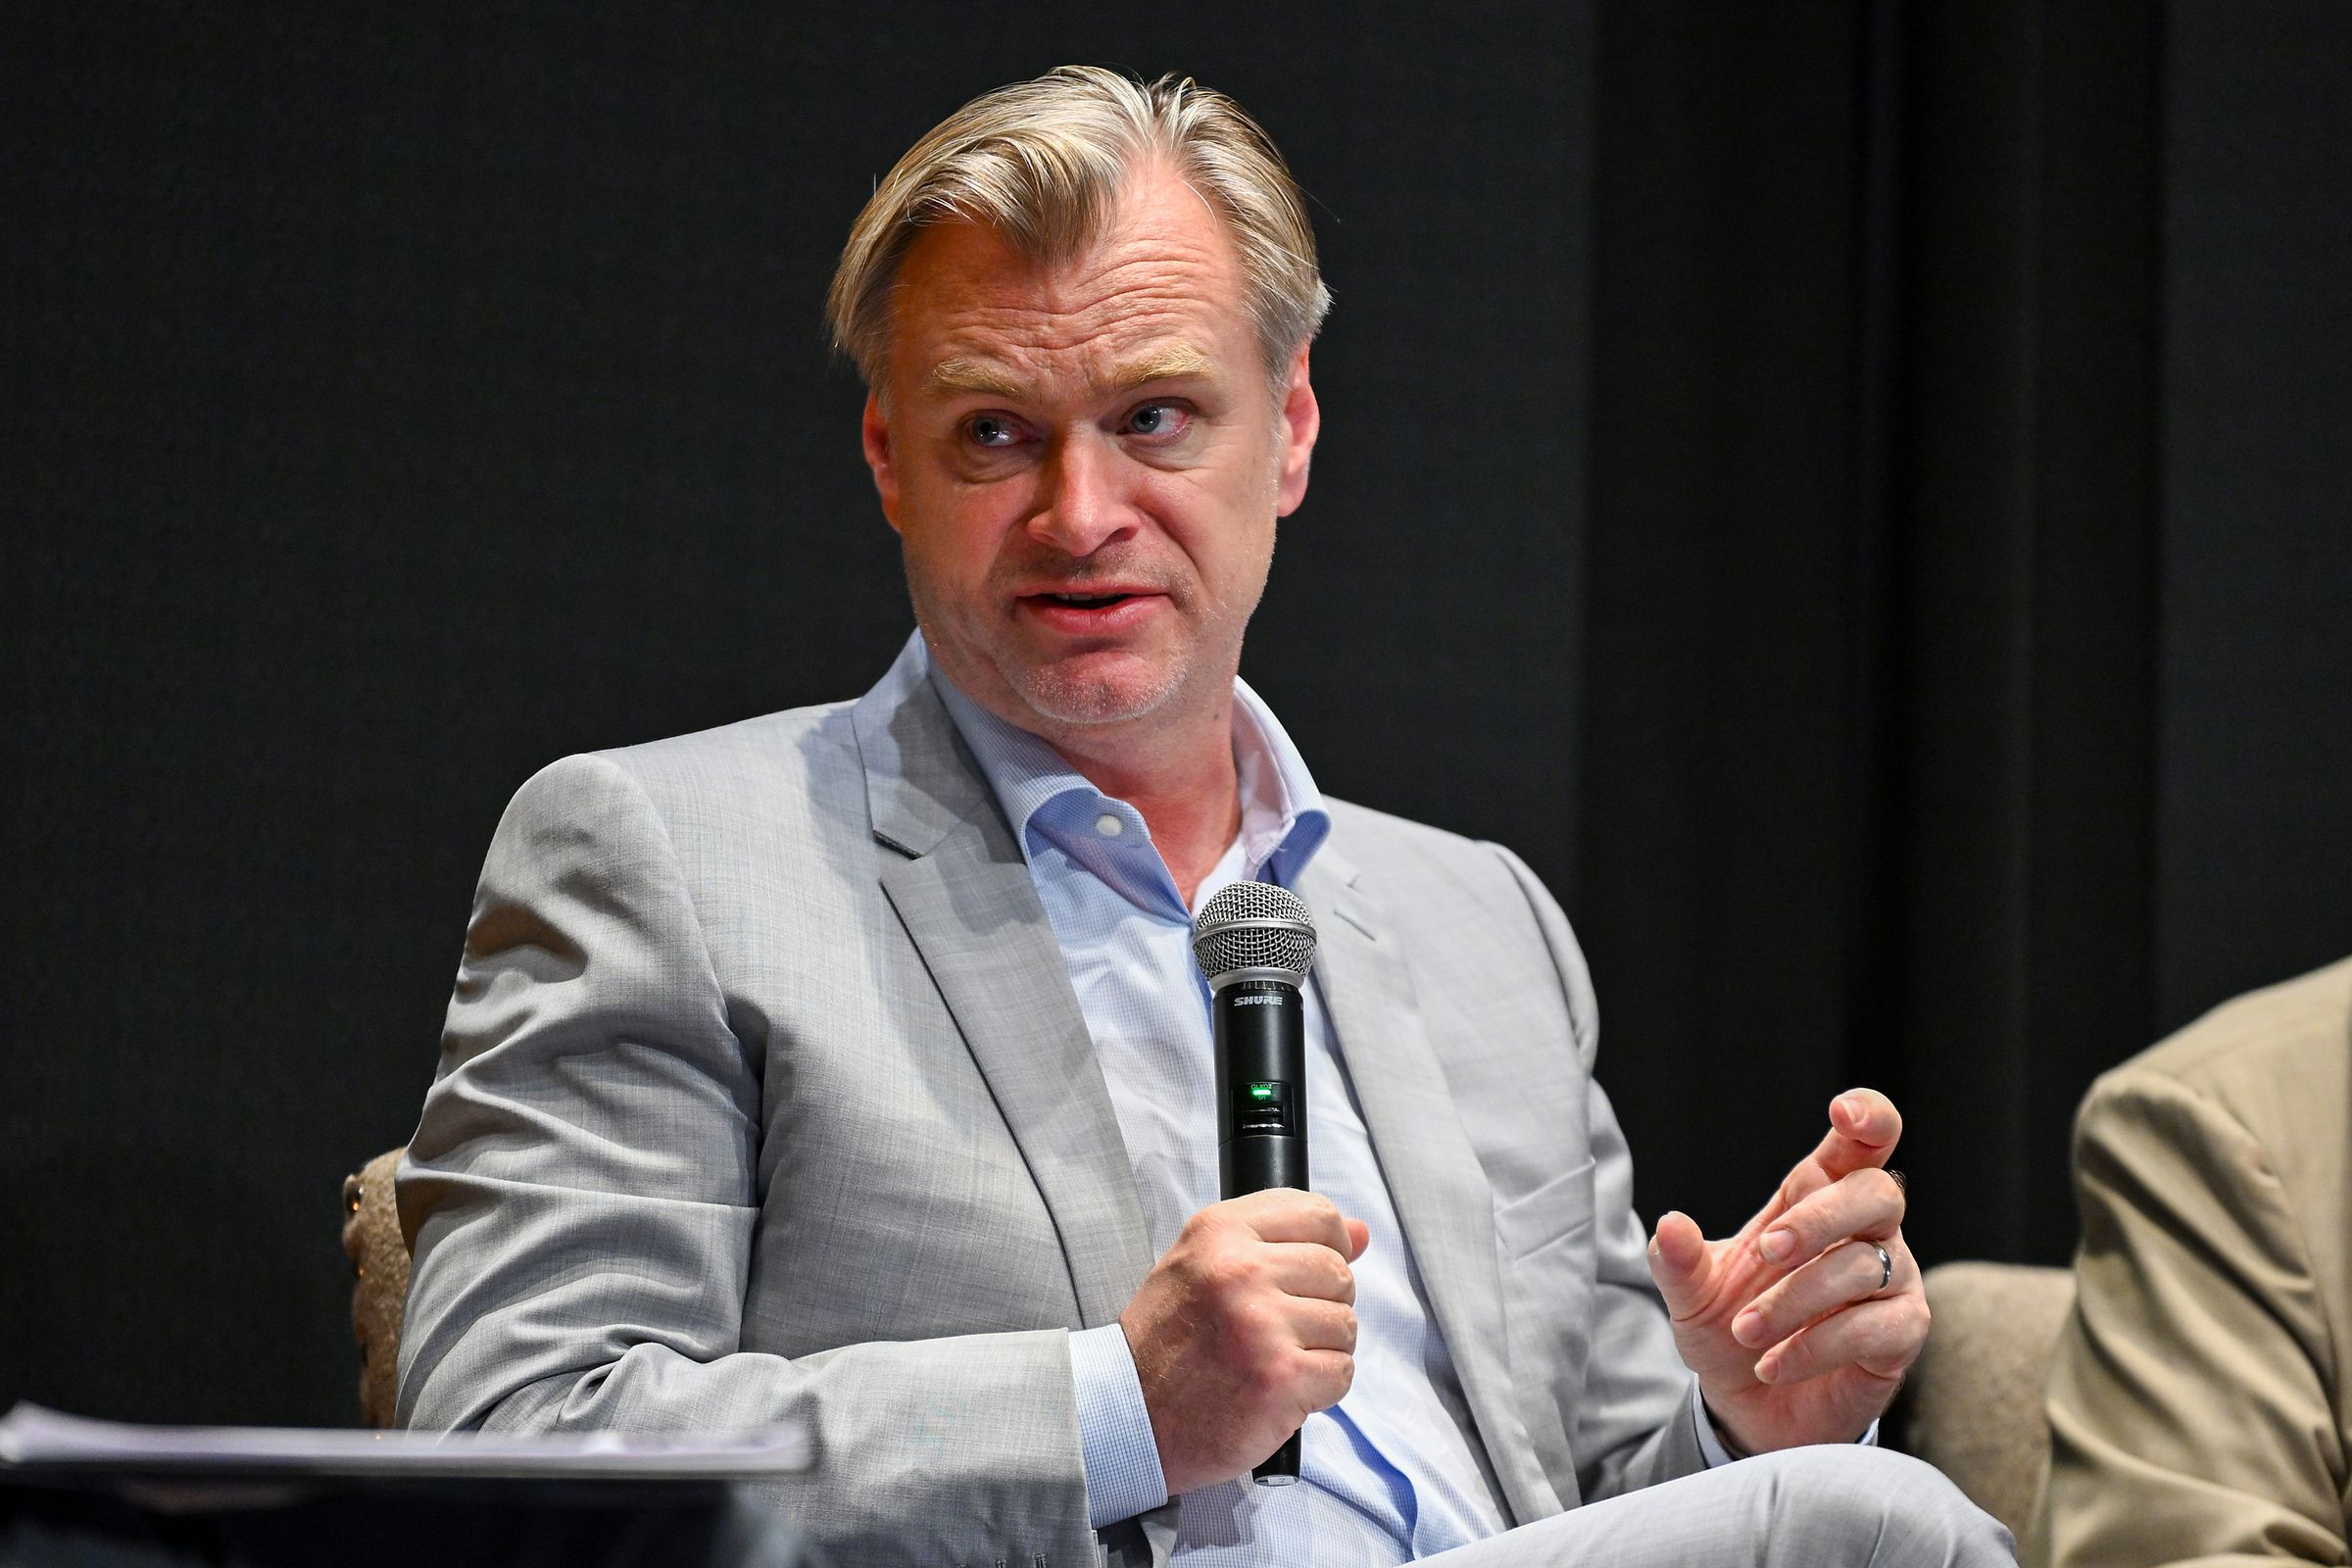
x=1109 y=826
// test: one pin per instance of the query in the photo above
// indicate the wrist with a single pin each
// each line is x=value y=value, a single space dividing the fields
x=1118 y=1446
x=1734 y=1446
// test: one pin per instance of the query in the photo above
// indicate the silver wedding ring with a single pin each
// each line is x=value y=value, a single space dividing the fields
x=1886 y=1266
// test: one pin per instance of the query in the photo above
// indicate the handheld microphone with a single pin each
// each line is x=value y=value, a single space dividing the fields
x=1255 y=941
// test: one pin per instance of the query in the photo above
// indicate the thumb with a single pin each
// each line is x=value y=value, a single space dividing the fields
x=1681 y=1263
x=1359 y=1237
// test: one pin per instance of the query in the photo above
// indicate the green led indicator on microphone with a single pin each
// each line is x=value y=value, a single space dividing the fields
x=1261 y=1091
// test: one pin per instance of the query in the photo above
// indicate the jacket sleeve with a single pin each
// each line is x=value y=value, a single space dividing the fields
x=581 y=1194
x=2188 y=1398
x=1636 y=1424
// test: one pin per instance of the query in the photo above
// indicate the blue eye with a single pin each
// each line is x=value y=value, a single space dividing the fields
x=1156 y=419
x=991 y=430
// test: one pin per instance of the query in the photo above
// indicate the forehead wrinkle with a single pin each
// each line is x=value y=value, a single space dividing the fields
x=1134 y=307
x=961 y=375
x=1123 y=341
x=1166 y=270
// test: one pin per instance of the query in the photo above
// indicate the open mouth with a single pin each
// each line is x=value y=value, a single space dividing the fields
x=1087 y=601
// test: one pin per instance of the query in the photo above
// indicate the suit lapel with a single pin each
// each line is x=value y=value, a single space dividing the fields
x=966 y=899
x=1433 y=1174
x=972 y=912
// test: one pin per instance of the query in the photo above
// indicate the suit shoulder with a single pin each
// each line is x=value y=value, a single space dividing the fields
x=2296 y=1033
x=1360 y=830
x=793 y=741
x=2274 y=1064
x=1435 y=863
x=791 y=737
x=776 y=760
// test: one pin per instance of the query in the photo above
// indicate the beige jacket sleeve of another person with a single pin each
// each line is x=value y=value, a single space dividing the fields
x=2198 y=1402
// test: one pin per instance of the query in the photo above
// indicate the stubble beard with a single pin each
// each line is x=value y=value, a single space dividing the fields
x=1056 y=696
x=1081 y=700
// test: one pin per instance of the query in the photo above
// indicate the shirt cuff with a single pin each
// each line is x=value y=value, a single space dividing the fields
x=1114 y=1429
x=1711 y=1442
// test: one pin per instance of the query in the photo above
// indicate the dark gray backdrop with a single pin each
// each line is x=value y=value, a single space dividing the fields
x=1846 y=490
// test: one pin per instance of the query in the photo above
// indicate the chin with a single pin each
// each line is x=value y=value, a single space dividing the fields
x=1084 y=697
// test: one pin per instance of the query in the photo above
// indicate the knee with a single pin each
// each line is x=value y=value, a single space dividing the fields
x=1845 y=1503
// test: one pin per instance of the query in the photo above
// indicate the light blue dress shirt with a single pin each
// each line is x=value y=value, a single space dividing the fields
x=1395 y=1471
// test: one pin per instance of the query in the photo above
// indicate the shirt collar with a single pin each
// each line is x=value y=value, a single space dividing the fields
x=1283 y=819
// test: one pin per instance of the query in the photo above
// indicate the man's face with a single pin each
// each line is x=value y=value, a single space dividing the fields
x=1084 y=464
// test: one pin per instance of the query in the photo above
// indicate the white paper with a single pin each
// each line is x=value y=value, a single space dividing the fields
x=34 y=1438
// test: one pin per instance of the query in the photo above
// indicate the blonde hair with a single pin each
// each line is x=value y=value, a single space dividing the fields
x=1044 y=162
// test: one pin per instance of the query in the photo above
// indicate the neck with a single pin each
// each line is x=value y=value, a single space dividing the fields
x=1182 y=780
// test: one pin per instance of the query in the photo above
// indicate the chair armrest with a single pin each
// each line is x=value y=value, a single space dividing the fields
x=1973 y=1406
x=379 y=1266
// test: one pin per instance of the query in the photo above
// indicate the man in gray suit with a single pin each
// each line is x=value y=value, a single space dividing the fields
x=847 y=1065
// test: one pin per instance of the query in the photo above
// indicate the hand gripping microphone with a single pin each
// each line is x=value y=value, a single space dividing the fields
x=1255 y=943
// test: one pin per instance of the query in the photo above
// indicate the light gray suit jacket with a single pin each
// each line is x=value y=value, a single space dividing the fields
x=765 y=1094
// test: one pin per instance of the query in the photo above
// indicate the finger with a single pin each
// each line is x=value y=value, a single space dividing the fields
x=1865 y=1202
x=1326 y=1377
x=1319 y=1325
x=1359 y=1237
x=1840 y=1277
x=1286 y=1214
x=1309 y=1270
x=1864 y=1127
x=1880 y=1338
x=1682 y=1264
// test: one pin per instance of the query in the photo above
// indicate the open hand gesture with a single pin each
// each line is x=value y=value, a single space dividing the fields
x=1802 y=1326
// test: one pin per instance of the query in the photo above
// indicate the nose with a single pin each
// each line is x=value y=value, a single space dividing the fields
x=1085 y=496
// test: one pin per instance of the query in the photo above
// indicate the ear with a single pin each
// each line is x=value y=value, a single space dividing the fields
x=1302 y=421
x=875 y=431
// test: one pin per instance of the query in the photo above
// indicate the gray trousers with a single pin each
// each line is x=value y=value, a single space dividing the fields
x=1831 y=1507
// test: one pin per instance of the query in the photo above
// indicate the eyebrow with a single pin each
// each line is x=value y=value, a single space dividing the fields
x=1176 y=360
x=950 y=376
x=956 y=375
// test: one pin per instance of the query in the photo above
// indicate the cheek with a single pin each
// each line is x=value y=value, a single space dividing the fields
x=956 y=533
x=1222 y=519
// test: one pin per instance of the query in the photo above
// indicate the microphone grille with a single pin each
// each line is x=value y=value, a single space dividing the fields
x=1254 y=925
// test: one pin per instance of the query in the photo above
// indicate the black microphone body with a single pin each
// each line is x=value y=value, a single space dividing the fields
x=1261 y=1116
x=1255 y=942
x=1261 y=1084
